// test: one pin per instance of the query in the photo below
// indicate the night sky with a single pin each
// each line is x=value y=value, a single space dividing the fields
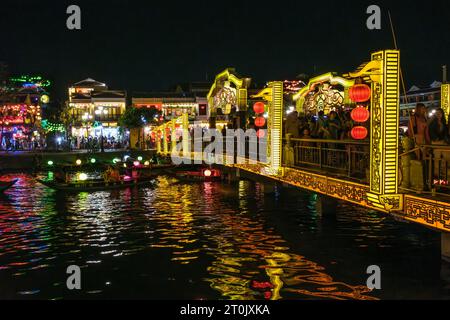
x=151 y=45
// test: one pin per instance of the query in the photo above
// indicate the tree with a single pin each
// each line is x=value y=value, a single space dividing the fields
x=137 y=118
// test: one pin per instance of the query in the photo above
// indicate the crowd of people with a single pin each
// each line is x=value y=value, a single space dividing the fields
x=95 y=143
x=334 y=126
x=428 y=129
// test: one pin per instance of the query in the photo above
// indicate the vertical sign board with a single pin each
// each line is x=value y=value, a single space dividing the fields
x=384 y=140
x=275 y=127
x=445 y=99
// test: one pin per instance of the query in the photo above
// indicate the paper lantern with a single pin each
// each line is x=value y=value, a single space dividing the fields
x=360 y=114
x=260 y=134
x=260 y=122
x=359 y=133
x=359 y=93
x=259 y=107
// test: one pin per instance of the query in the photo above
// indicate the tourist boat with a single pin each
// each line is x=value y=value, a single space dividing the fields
x=152 y=168
x=5 y=185
x=96 y=184
x=202 y=175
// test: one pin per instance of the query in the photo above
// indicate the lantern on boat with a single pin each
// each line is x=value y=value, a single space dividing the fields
x=359 y=133
x=78 y=162
x=207 y=173
x=136 y=163
x=259 y=107
x=359 y=93
x=82 y=177
x=360 y=114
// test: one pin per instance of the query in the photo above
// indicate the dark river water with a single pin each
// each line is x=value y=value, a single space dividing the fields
x=179 y=240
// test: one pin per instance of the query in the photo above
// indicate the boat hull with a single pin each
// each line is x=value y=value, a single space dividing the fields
x=7 y=184
x=95 y=186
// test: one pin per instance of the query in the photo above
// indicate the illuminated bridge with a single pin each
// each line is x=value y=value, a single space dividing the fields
x=375 y=168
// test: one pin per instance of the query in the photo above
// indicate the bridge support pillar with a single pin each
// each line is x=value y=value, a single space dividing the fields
x=232 y=175
x=269 y=188
x=445 y=246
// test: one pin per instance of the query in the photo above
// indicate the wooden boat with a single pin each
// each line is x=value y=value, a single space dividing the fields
x=95 y=185
x=5 y=185
x=203 y=175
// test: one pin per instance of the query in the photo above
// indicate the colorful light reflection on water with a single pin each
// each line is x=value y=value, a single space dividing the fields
x=206 y=241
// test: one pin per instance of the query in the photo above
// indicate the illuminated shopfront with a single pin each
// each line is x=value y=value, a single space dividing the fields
x=95 y=110
x=21 y=105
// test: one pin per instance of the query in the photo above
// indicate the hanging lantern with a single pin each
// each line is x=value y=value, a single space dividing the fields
x=260 y=134
x=260 y=122
x=360 y=114
x=359 y=133
x=259 y=107
x=359 y=93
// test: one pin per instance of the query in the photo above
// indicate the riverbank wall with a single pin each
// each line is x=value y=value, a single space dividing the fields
x=30 y=161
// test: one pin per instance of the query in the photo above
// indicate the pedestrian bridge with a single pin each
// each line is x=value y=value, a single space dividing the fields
x=376 y=169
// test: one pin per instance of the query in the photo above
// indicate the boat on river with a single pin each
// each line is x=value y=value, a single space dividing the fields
x=198 y=175
x=5 y=185
x=96 y=184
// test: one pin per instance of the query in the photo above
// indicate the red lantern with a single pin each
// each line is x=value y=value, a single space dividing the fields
x=359 y=133
x=360 y=93
x=259 y=107
x=360 y=114
x=260 y=134
x=260 y=122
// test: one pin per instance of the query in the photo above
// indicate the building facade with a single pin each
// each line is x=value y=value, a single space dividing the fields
x=95 y=110
x=22 y=100
x=430 y=96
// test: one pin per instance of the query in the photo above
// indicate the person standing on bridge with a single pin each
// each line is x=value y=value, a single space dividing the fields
x=438 y=132
x=418 y=128
x=292 y=125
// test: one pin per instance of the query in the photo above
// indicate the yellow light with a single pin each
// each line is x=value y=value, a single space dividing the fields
x=146 y=163
x=78 y=162
x=45 y=99
x=82 y=177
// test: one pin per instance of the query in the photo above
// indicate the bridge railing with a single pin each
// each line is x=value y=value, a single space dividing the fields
x=343 y=158
x=426 y=168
